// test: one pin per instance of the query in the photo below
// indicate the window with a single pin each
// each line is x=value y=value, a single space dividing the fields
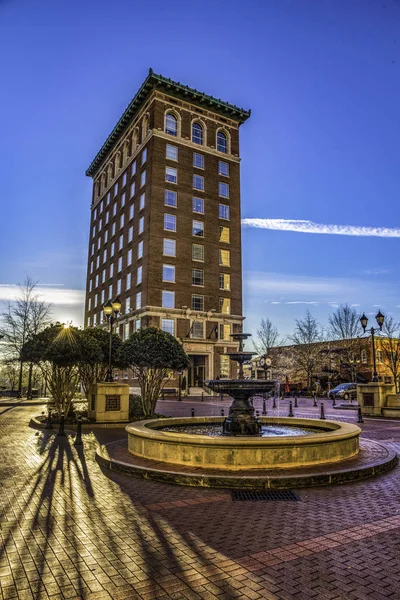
x=111 y=270
x=91 y=267
x=115 y=189
x=197 y=133
x=88 y=321
x=112 y=251
x=197 y=329
x=129 y=257
x=97 y=261
x=198 y=205
x=113 y=229
x=104 y=255
x=223 y=189
x=198 y=182
x=133 y=168
x=90 y=285
x=103 y=276
x=168 y=273
x=140 y=250
x=225 y=306
x=131 y=211
x=142 y=178
x=224 y=331
x=364 y=357
x=95 y=300
x=106 y=236
x=107 y=217
x=114 y=211
x=100 y=224
x=128 y=281
x=224 y=234
x=169 y=248
x=168 y=299
x=198 y=252
x=168 y=325
x=130 y=233
x=141 y=225
x=222 y=142
x=170 y=198
x=198 y=160
x=124 y=179
x=197 y=302
x=120 y=264
x=137 y=324
x=89 y=304
x=224 y=211
x=118 y=286
x=225 y=258
x=133 y=189
x=224 y=366
x=98 y=243
x=171 y=175
x=223 y=168
x=139 y=275
x=138 y=300
x=127 y=306
x=198 y=228
x=224 y=281
x=92 y=252
x=171 y=152
x=120 y=242
x=102 y=297
x=94 y=231
x=94 y=319
x=171 y=124
x=142 y=201
x=144 y=155
x=379 y=356
x=110 y=290
x=95 y=214
x=169 y=222
x=101 y=206
x=197 y=277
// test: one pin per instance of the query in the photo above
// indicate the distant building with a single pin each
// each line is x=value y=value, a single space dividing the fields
x=165 y=231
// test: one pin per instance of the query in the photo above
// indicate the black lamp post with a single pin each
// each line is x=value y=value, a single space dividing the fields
x=111 y=310
x=380 y=319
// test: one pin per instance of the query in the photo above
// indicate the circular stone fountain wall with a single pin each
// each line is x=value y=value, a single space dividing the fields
x=331 y=442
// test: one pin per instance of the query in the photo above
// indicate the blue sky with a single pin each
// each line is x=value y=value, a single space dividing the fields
x=323 y=81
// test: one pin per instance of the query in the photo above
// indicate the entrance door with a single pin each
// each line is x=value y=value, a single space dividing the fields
x=197 y=370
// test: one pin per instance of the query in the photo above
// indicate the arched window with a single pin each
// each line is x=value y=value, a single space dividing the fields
x=197 y=134
x=363 y=357
x=222 y=142
x=145 y=127
x=171 y=124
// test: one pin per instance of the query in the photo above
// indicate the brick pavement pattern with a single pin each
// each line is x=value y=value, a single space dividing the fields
x=70 y=530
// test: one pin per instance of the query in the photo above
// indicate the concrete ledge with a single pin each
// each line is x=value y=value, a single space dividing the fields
x=374 y=459
x=86 y=427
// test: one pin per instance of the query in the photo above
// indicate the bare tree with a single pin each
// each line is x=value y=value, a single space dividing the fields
x=24 y=316
x=267 y=337
x=307 y=351
x=390 y=346
x=344 y=325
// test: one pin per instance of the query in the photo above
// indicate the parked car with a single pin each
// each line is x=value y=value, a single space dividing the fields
x=345 y=391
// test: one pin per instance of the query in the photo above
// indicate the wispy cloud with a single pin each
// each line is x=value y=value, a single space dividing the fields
x=52 y=294
x=303 y=226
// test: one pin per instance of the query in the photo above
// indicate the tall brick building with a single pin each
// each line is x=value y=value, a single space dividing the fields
x=165 y=225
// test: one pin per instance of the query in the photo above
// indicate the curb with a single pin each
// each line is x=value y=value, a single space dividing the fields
x=307 y=479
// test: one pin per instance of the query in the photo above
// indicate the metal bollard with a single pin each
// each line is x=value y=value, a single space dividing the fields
x=333 y=401
x=295 y=402
x=202 y=396
x=274 y=403
x=48 y=422
x=291 y=409
x=222 y=412
x=61 y=428
x=78 y=437
x=192 y=412
x=359 y=415
x=264 y=410
x=322 y=411
x=315 y=400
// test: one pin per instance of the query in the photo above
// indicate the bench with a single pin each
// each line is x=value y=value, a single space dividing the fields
x=168 y=392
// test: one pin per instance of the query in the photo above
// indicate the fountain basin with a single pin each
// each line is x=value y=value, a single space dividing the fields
x=332 y=442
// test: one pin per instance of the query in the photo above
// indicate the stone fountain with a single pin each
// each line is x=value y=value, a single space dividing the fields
x=241 y=419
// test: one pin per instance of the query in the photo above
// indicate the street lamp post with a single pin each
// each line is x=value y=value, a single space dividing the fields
x=111 y=310
x=380 y=319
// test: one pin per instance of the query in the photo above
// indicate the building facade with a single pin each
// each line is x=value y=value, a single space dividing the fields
x=165 y=231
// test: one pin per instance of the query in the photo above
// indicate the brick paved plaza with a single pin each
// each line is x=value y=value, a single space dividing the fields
x=71 y=530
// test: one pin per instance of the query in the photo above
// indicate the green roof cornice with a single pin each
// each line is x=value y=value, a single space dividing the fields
x=172 y=88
